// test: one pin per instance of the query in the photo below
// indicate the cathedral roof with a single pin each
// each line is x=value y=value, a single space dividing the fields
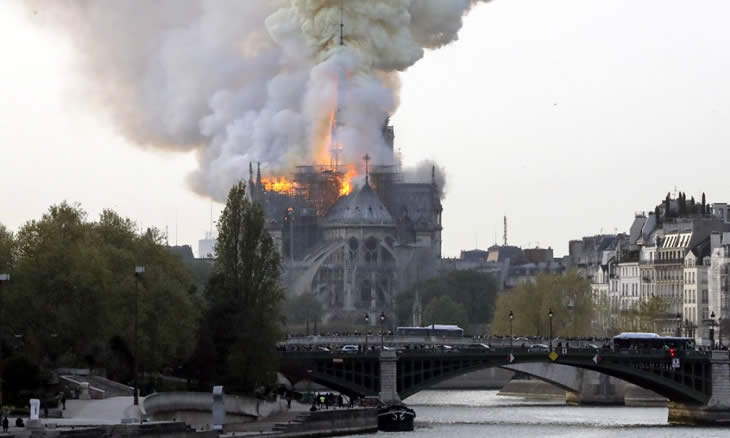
x=362 y=207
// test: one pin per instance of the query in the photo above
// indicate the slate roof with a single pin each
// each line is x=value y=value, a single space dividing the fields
x=361 y=207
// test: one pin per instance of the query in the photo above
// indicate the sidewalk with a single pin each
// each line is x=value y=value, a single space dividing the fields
x=84 y=413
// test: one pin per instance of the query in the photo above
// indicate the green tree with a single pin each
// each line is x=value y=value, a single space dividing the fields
x=649 y=311
x=244 y=296
x=444 y=310
x=303 y=308
x=568 y=296
x=7 y=250
x=476 y=292
x=72 y=293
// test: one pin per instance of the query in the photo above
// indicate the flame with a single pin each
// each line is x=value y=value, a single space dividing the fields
x=346 y=185
x=278 y=184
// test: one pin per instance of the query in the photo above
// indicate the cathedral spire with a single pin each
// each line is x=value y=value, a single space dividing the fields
x=367 y=168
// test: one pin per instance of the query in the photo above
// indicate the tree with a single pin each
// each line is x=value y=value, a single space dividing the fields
x=704 y=203
x=244 y=296
x=649 y=311
x=303 y=308
x=444 y=310
x=73 y=292
x=473 y=290
x=7 y=250
x=568 y=296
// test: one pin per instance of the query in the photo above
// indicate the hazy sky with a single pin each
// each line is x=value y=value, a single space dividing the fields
x=567 y=116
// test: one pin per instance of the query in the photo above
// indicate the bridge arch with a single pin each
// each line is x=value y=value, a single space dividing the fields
x=691 y=383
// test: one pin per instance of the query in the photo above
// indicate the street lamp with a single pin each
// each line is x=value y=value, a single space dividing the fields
x=3 y=279
x=719 y=332
x=382 y=333
x=367 y=324
x=550 y=316
x=679 y=324
x=138 y=271
x=511 y=317
x=712 y=330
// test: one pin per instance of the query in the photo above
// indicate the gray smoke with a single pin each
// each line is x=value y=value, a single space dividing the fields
x=241 y=81
x=425 y=172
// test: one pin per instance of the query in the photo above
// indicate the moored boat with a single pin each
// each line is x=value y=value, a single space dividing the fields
x=396 y=418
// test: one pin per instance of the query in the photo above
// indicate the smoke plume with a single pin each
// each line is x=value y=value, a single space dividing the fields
x=242 y=81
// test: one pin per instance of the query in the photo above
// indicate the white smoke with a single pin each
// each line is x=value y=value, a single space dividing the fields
x=242 y=81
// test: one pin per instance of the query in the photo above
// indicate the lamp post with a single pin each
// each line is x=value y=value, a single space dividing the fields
x=550 y=317
x=712 y=330
x=382 y=333
x=138 y=271
x=719 y=332
x=679 y=324
x=3 y=279
x=511 y=317
x=367 y=324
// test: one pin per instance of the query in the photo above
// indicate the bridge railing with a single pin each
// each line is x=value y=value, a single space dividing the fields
x=572 y=349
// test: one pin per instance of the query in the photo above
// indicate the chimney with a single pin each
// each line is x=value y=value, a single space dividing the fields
x=715 y=240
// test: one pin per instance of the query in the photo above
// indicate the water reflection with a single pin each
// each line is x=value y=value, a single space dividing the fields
x=482 y=414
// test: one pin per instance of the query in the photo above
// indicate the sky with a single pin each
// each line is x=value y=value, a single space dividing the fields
x=566 y=116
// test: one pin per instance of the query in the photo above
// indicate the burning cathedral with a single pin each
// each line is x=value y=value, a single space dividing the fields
x=353 y=234
x=354 y=245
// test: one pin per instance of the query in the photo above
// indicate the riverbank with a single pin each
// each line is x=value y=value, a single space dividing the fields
x=322 y=423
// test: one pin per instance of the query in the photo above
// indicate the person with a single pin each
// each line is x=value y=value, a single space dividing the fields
x=288 y=400
x=63 y=400
x=19 y=422
x=6 y=423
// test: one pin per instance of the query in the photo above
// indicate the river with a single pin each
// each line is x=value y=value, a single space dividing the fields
x=482 y=414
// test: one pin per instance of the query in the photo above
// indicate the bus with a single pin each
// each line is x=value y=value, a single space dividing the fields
x=651 y=341
x=440 y=330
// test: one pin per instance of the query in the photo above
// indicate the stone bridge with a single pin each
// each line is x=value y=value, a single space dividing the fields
x=696 y=383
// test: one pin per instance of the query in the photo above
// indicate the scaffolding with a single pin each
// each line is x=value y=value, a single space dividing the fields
x=320 y=185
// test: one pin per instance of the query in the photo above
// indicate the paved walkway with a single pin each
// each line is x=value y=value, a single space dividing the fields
x=105 y=411
x=85 y=413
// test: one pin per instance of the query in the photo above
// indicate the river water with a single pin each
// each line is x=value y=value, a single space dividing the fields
x=482 y=414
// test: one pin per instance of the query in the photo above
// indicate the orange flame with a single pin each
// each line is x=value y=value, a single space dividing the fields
x=346 y=186
x=278 y=184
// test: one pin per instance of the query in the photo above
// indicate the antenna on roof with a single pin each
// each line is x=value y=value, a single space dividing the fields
x=505 y=231
x=342 y=22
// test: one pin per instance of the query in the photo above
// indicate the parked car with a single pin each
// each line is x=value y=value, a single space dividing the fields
x=350 y=349
x=538 y=348
x=324 y=350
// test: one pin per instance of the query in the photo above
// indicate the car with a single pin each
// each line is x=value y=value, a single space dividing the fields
x=592 y=347
x=478 y=348
x=324 y=350
x=350 y=349
x=538 y=348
